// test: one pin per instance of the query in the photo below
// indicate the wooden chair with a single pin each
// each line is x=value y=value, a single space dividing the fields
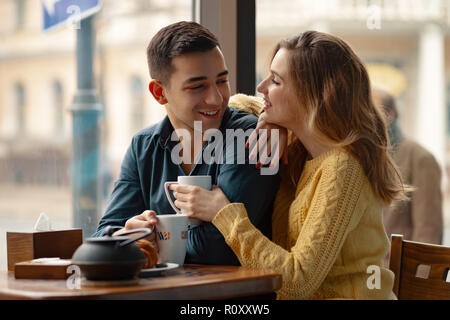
x=421 y=270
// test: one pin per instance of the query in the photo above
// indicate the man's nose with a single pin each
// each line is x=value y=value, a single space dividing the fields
x=213 y=96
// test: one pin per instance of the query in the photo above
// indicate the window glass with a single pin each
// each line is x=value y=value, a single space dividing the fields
x=405 y=53
x=137 y=104
x=20 y=108
x=20 y=13
x=58 y=105
x=37 y=87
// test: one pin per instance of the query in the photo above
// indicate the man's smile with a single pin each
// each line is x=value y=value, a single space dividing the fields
x=210 y=114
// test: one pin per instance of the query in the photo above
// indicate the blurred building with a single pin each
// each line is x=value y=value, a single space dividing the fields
x=37 y=70
x=38 y=82
x=410 y=36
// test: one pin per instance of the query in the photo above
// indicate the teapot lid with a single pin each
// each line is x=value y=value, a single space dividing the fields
x=105 y=239
x=110 y=248
x=109 y=238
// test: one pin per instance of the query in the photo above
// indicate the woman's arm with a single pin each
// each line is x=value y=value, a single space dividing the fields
x=304 y=266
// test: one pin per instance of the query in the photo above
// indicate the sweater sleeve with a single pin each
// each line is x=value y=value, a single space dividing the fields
x=246 y=103
x=332 y=214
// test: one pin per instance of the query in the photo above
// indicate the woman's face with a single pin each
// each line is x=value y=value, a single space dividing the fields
x=281 y=104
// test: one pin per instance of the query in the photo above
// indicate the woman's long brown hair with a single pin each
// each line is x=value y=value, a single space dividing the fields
x=334 y=92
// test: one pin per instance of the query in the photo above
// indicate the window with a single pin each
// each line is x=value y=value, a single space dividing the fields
x=137 y=104
x=20 y=108
x=20 y=14
x=35 y=163
x=58 y=107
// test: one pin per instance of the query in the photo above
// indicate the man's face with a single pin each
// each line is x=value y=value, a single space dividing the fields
x=198 y=90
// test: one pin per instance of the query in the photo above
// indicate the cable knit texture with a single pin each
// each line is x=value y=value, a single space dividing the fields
x=326 y=233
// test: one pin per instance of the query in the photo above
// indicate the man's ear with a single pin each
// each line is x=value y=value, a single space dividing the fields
x=157 y=90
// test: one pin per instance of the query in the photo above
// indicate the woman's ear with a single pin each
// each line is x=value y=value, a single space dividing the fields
x=157 y=90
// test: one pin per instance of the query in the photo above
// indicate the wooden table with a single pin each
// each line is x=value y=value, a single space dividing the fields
x=189 y=282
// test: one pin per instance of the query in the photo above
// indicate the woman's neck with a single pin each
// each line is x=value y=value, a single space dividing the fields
x=311 y=144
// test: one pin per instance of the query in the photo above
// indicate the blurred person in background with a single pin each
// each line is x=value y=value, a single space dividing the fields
x=419 y=219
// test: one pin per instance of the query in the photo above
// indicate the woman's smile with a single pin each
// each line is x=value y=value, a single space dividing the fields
x=267 y=104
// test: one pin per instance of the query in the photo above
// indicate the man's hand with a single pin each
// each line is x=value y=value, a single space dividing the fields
x=146 y=219
x=148 y=246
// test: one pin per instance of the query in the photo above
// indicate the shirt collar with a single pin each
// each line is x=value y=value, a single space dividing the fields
x=164 y=131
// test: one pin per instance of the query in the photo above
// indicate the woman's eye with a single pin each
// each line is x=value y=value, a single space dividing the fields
x=275 y=82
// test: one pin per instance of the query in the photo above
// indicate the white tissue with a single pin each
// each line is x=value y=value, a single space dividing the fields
x=42 y=223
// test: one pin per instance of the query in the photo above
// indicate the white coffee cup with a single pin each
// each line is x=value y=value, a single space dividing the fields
x=200 y=181
x=171 y=237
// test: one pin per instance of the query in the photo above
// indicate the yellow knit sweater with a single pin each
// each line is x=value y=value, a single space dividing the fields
x=326 y=234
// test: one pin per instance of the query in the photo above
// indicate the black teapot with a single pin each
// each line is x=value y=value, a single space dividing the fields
x=111 y=257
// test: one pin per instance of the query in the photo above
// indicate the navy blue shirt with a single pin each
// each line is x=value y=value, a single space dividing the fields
x=148 y=164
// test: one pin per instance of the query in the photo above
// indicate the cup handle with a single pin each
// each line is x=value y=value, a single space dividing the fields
x=169 y=198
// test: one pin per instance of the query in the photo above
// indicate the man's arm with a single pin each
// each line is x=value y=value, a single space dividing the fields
x=126 y=199
x=241 y=183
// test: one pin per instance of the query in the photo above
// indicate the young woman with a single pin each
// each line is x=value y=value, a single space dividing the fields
x=328 y=239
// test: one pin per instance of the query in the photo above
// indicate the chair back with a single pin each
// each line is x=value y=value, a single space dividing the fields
x=421 y=269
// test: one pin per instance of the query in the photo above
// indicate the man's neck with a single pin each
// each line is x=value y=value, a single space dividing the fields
x=191 y=139
x=195 y=148
x=191 y=145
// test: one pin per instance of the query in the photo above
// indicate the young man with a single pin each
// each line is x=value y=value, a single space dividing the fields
x=190 y=78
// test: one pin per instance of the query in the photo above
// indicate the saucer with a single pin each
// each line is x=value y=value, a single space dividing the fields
x=158 y=269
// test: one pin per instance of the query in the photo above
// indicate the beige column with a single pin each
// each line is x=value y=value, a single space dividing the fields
x=220 y=17
x=431 y=116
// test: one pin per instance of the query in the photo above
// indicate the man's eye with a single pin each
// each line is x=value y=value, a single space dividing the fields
x=222 y=81
x=196 y=87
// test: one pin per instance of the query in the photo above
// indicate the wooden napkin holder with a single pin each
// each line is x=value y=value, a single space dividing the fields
x=26 y=246
x=53 y=269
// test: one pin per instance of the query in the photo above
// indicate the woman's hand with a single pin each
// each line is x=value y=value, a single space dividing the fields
x=262 y=135
x=199 y=203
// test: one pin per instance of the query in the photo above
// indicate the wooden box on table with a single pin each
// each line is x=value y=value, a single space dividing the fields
x=26 y=246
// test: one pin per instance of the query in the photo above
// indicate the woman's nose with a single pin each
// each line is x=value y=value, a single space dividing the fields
x=261 y=87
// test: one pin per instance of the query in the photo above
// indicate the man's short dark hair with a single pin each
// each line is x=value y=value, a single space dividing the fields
x=174 y=40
